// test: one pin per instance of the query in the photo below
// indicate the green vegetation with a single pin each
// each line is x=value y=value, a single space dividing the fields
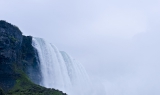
x=13 y=39
x=24 y=86
x=17 y=56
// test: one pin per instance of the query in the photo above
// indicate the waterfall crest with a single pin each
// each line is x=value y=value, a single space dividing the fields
x=61 y=71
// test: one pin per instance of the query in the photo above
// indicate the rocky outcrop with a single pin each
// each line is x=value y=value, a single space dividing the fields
x=10 y=45
x=30 y=60
x=19 y=64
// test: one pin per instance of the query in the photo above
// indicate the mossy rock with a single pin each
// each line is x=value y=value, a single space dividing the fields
x=24 y=86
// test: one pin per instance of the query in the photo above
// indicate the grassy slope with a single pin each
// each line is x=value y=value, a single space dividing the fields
x=24 y=86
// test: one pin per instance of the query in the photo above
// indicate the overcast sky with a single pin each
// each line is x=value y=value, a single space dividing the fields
x=117 y=41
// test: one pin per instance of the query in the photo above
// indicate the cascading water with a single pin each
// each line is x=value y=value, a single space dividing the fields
x=60 y=71
x=77 y=74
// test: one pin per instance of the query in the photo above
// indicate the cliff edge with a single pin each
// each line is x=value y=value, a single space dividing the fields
x=19 y=68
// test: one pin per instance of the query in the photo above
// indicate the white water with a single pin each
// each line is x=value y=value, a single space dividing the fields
x=60 y=71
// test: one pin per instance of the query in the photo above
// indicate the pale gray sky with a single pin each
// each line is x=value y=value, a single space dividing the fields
x=117 y=41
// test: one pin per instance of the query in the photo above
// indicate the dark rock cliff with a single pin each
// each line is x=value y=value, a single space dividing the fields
x=10 y=45
x=19 y=64
x=30 y=60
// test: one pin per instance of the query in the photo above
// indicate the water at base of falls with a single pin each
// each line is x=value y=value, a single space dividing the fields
x=60 y=71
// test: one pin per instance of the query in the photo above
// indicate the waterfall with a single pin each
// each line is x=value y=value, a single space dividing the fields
x=61 y=71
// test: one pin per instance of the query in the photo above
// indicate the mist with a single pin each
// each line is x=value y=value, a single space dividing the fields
x=116 y=41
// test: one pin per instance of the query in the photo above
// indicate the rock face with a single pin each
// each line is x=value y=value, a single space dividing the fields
x=10 y=45
x=18 y=61
x=30 y=60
